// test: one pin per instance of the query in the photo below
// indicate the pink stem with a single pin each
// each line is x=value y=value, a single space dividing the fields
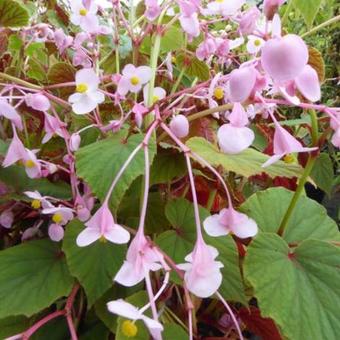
x=190 y=324
x=68 y=311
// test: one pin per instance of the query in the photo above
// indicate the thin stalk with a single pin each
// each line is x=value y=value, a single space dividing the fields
x=288 y=9
x=19 y=81
x=321 y=26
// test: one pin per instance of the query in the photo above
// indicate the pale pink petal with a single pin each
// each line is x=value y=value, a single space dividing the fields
x=238 y=116
x=152 y=324
x=272 y=160
x=143 y=73
x=179 y=125
x=129 y=70
x=75 y=97
x=124 y=309
x=128 y=276
x=308 y=84
x=89 y=23
x=10 y=113
x=84 y=105
x=117 y=234
x=244 y=226
x=97 y=96
x=6 y=218
x=123 y=86
x=241 y=83
x=213 y=227
x=15 y=152
x=55 y=232
x=190 y=25
x=88 y=236
x=89 y=77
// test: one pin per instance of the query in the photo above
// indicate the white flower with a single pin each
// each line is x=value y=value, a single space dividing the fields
x=254 y=44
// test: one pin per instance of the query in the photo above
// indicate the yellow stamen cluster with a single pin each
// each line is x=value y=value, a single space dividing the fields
x=129 y=329
x=155 y=99
x=36 y=204
x=289 y=158
x=134 y=80
x=173 y=59
x=29 y=164
x=102 y=239
x=220 y=1
x=82 y=88
x=83 y=12
x=219 y=93
x=57 y=218
x=257 y=42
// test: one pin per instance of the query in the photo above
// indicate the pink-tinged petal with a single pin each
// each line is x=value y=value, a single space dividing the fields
x=244 y=227
x=75 y=19
x=89 y=77
x=336 y=138
x=10 y=113
x=97 y=96
x=241 y=83
x=84 y=105
x=128 y=276
x=276 y=26
x=123 y=86
x=238 y=116
x=88 y=236
x=129 y=70
x=89 y=23
x=308 y=84
x=117 y=234
x=47 y=137
x=124 y=309
x=6 y=218
x=179 y=125
x=184 y=266
x=15 y=152
x=284 y=59
x=56 y=232
x=213 y=227
x=38 y=102
x=75 y=97
x=272 y=160
x=75 y=140
x=190 y=25
x=270 y=7
x=152 y=324
x=291 y=98
x=230 y=7
x=233 y=140
x=143 y=73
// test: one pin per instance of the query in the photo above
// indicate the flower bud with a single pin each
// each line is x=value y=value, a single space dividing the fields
x=37 y=101
x=75 y=142
x=179 y=125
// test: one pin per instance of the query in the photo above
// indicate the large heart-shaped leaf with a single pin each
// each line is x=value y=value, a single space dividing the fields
x=297 y=288
x=99 y=163
x=248 y=163
x=32 y=276
x=308 y=220
x=94 y=266
x=12 y=14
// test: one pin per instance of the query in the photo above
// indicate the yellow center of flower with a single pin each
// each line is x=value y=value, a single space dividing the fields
x=36 y=204
x=219 y=1
x=218 y=93
x=102 y=239
x=57 y=218
x=83 y=12
x=134 y=80
x=257 y=42
x=173 y=59
x=82 y=88
x=129 y=329
x=155 y=99
x=289 y=158
x=29 y=164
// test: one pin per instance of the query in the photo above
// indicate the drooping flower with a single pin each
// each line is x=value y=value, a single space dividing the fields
x=152 y=10
x=179 y=125
x=284 y=58
x=15 y=151
x=128 y=311
x=9 y=112
x=206 y=49
x=235 y=137
x=133 y=78
x=31 y=164
x=84 y=15
x=74 y=142
x=38 y=200
x=140 y=110
x=141 y=257
x=62 y=40
x=87 y=97
x=37 y=101
x=254 y=44
x=202 y=273
x=158 y=94
x=52 y=126
x=102 y=226
x=7 y=218
x=230 y=221
x=308 y=84
x=284 y=144
x=55 y=232
x=189 y=18
x=270 y=7
x=223 y=7
x=248 y=20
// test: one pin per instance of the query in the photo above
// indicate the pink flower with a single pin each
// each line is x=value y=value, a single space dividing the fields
x=6 y=218
x=15 y=152
x=38 y=200
x=133 y=79
x=139 y=110
x=55 y=232
x=74 y=142
x=284 y=58
x=188 y=18
x=235 y=137
x=52 y=126
x=84 y=15
x=80 y=58
x=179 y=125
x=223 y=7
x=270 y=7
x=88 y=96
x=62 y=40
x=308 y=84
x=241 y=83
x=206 y=49
x=141 y=257
x=284 y=144
x=31 y=164
x=222 y=47
x=37 y=101
x=152 y=9
x=248 y=20
x=60 y=215
x=230 y=221
x=9 y=112
x=202 y=273
x=158 y=94
x=336 y=138
x=128 y=311
x=102 y=226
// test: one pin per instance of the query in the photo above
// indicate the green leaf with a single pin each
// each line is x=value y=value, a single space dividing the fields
x=166 y=167
x=322 y=173
x=308 y=9
x=248 y=163
x=194 y=67
x=95 y=265
x=36 y=71
x=172 y=40
x=14 y=43
x=298 y=289
x=174 y=331
x=139 y=300
x=309 y=219
x=12 y=14
x=98 y=164
x=32 y=276
x=13 y=325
